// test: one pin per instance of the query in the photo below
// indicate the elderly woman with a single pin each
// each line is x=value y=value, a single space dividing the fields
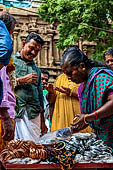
x=108 y=57
x=95 y=93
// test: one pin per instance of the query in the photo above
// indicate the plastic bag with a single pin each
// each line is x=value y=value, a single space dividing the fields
x=52 y=137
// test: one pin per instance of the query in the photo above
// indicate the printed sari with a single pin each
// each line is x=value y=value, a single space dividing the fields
x=94 y=95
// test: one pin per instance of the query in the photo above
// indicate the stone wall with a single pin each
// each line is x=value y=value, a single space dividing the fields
x=49 y=57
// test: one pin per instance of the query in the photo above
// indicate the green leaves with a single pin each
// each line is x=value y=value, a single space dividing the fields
x=86 y=18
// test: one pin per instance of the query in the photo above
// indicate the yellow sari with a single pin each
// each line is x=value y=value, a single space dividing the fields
x=65 y=106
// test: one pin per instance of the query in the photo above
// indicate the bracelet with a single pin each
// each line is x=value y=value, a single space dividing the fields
x=96 y=115
x=85 y=119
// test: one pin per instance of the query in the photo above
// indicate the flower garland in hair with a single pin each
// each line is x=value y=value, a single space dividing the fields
x=11 y=66
x=11 y=73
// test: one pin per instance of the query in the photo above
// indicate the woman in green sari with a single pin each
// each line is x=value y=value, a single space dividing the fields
x=95 y=93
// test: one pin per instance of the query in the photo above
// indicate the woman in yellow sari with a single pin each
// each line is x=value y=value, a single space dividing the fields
x=66 y=105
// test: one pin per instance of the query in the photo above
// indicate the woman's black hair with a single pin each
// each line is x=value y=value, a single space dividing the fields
x=74 y=56
x=109 y=52
x=9 y=20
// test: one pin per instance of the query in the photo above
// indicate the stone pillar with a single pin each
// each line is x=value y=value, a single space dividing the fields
x=50 y=56
x=44 y=60
x=39 y=59
x=57 y=56
x=15 y=42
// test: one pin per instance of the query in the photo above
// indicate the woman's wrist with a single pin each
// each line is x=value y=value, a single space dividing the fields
x=96 y=115
x=90 y=117
x=85 y=119
x=4 y=114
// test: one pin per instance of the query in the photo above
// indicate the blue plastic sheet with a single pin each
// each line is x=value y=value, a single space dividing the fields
x=16 y=3
x=6 y=44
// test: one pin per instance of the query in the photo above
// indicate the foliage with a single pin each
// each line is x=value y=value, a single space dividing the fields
x=80 y=18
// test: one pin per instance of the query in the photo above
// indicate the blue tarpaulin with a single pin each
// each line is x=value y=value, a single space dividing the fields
x=16 y=3
x=6 y=44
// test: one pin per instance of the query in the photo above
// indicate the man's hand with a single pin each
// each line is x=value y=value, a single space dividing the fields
x=44 y=129
x=8 y=131
x=28 y=79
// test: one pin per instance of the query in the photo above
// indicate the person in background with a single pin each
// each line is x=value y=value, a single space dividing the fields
x=96 y=96
x=7 y=99
x=64 y=95
x=108 y=57
x=45 y=79
x=29 y=107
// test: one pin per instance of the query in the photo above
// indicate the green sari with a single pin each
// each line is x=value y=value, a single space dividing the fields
x=98 y=86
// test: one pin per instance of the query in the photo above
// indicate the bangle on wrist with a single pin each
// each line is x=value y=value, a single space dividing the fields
x=85 y=116
x=96 y=115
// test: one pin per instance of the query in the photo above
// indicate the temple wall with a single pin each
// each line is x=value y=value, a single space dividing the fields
x=49 y=57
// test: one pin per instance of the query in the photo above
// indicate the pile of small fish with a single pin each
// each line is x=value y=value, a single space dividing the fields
x=88 y=148
x=26 y=160
x=80 y=147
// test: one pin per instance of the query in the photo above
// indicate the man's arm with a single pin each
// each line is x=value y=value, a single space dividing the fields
x=103 y=112
x=6 y=125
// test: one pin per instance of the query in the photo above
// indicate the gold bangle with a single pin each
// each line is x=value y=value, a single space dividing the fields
x=85 y=116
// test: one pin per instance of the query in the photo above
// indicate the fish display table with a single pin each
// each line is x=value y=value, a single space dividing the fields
x=85 y=149
x=56 y=166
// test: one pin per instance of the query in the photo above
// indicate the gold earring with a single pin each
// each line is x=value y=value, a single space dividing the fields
x=84 y=69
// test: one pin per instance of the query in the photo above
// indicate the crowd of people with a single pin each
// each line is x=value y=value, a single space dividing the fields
x=81 y=97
